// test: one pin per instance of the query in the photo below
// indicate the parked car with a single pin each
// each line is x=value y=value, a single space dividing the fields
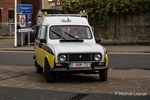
x=58 y=50
x=32 y=35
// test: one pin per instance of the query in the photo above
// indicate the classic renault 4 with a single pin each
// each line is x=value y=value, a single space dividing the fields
x=66 y=44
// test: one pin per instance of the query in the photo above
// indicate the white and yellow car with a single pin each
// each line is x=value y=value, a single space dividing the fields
x=59 y=50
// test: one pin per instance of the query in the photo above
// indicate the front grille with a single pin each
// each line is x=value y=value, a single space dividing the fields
x=79 y=57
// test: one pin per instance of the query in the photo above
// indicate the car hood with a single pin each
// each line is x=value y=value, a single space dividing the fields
x=77 y=48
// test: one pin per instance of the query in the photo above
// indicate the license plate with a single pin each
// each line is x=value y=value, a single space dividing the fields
x=80 y=65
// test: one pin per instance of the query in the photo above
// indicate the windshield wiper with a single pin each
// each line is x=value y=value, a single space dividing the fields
x=70 y=35
x=58 y=34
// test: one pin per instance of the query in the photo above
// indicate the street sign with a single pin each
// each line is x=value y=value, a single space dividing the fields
x=25 y=30
x=25 y=9
x=22 y=20
x=29 y=20
x=57 y=3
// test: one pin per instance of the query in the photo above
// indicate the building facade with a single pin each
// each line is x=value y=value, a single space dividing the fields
x=7 y=9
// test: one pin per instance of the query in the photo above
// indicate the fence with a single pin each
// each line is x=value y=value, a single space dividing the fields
x=6 y=35
x=6 y=29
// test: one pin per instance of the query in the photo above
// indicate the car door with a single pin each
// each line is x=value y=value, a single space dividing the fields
x=39 y=46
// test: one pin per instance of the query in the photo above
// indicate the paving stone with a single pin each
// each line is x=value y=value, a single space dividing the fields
x=133 y=80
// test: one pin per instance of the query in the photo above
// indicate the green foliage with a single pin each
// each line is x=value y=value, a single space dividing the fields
x=99 y=11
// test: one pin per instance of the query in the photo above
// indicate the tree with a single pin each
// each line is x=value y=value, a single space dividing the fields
x=99 y=11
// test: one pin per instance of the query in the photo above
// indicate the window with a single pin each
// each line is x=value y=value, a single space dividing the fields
x=41 y=32
x=38 y=33
x=70 y=32
x=10 y=15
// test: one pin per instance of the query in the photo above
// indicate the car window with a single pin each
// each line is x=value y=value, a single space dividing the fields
x=45 y=35
x=38 y=33
x=43 y=32
x=56 y=33
x=70 y=32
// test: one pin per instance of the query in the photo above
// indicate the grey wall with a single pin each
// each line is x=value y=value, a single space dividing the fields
x=129 y=29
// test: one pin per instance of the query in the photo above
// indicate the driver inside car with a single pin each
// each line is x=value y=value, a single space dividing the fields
x=75 y=33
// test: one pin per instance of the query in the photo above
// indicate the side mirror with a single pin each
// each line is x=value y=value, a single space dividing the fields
x=43 y=41
x=98 y=40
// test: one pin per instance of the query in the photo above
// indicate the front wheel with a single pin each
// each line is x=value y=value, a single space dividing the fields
x=103 y=75
x=39 y=69
x=49 y=75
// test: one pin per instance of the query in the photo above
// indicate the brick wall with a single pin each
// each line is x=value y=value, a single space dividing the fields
x=6 y=5
x=9 y=5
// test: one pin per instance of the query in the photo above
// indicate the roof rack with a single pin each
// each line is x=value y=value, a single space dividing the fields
x=77 y=15
x=51 y=12
x=73 y=15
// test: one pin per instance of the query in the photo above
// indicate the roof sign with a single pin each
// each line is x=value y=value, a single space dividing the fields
x=66 y=20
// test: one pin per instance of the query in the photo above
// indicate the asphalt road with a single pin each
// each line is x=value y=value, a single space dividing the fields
x=7 y=93
x=16 y=58
x=117 y=61
x=126 y=61
x=123 y=61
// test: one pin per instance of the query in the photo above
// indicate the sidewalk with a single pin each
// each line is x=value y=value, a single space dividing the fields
x=8 y=45
x=131 y=49
x=126 y=81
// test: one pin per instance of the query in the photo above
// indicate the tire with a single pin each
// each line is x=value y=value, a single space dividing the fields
x=103 y=75
x=39 y=69
x=49 y=75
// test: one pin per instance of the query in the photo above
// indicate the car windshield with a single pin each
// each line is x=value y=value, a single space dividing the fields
x=70 y=32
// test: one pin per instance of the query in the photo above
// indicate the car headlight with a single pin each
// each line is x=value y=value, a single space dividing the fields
x=97 y=57
x=62 y=57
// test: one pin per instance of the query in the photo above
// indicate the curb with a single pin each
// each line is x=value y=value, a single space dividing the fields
x=8 y=37
x=17 y=49
x=32 y=49
x=14 y=50
x=110 y=49
x=129 y=51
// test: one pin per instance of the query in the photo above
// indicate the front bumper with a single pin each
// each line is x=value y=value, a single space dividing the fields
x=69 y=69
